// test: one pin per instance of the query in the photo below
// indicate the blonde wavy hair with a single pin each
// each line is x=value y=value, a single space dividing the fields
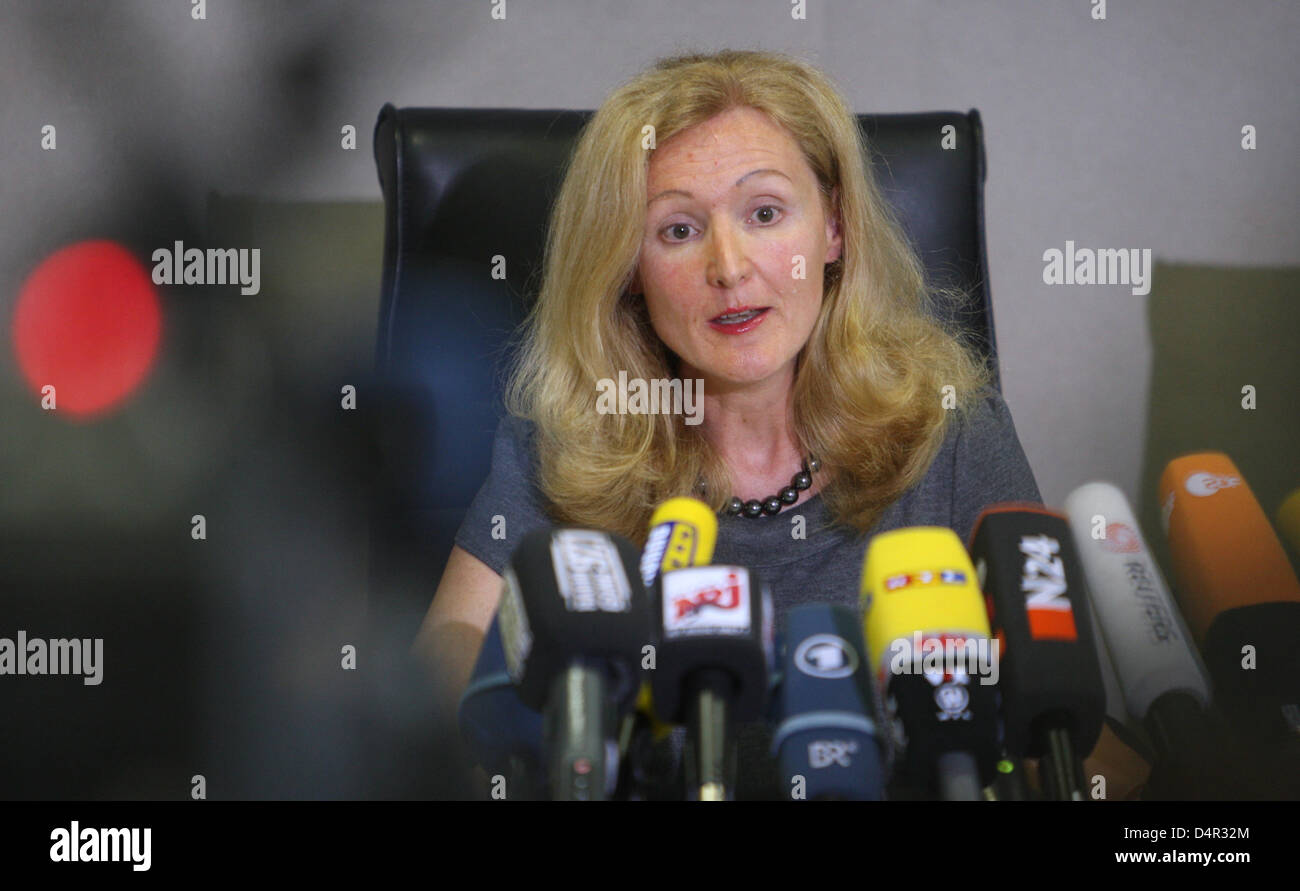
x=868 y=384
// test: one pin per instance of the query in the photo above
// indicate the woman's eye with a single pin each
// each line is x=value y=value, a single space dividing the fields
x=683 y=229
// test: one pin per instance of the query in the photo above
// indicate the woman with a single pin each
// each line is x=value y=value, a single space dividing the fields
x=718 y=223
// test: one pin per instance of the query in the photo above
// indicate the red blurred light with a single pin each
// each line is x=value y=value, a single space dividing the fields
x=88 y=322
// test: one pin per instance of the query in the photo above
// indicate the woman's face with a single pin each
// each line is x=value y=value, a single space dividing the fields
x=732 y=204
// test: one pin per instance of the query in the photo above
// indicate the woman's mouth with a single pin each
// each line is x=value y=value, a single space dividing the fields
x=739 y=320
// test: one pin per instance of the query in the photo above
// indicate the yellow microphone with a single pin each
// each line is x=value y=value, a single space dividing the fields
x=683 y=532
x=919 y=579
x=923 y=614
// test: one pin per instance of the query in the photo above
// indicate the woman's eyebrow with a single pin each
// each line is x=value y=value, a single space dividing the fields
x=685 y=194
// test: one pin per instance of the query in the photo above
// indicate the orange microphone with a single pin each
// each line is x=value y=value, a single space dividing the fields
x=1238 y=592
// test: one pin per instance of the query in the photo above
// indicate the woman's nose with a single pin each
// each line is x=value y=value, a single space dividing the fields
x=728 y=263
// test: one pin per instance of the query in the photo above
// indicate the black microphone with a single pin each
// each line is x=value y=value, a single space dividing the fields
x=574 y=621
x=826 y=739
x=1053 y=698
x=713 y=661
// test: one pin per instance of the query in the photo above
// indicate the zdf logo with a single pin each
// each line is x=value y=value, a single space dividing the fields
x=1203 y=485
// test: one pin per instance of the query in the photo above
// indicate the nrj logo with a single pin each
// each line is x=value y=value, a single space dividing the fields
x=1203 y=485
x=723 y=597
x=659 y=396
x=710 y=600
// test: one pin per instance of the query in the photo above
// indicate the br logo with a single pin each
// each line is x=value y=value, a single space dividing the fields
x=825 y=752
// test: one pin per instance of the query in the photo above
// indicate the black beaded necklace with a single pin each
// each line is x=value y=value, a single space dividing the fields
x=772 y=504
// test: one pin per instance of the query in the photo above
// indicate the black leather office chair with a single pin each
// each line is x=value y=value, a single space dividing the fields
x=463 y=185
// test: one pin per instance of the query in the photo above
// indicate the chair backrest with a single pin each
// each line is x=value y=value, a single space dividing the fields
x=462 y=186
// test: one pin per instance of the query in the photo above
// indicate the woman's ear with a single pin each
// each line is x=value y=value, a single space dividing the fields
x=834 y=229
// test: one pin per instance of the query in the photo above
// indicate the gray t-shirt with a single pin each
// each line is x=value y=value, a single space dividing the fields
x=979 y=464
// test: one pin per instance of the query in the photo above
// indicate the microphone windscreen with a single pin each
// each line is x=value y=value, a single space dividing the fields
x=571 y=594
x=1149 y=644
x=918 y=579
x=1239 y=593
x=927 y=635
x=826 y=739
x=1038 y=603
x=712 y=617
x=1224 y=552
x=683 y=532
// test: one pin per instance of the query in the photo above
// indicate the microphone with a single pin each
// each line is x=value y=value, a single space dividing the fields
x=714 y=656
x=683 y=532
x=1053 y=697
x=927 y=635
x=826 y=733
x=1160 y=675
x=1239 y=593
x=573 y=622
x=503 y=735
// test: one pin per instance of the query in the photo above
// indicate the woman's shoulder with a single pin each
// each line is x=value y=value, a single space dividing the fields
x=515 y=427
x=514 y=457
x=983 y=427
x=985 y=409
x=509 y=494
x=514 y=438
x=989 y=461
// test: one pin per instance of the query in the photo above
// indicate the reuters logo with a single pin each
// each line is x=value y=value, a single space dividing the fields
x=1204 y=485
x=1121 y=539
